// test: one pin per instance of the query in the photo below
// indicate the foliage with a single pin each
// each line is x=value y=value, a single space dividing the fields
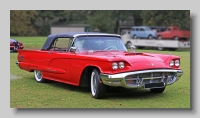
x=166 y=18
x=31 y=22
x=102 y=21
x=21 y=22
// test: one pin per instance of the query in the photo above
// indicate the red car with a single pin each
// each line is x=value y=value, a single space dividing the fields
x=99 y=60
x=15 y=45
x=175 y=33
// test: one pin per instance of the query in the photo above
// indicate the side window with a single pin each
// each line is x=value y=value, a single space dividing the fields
x=78 y=43
x=141 y=29
x=137 y=29
x=133 y=29
x=168 y=29
x=175 y=29
x=61 y=44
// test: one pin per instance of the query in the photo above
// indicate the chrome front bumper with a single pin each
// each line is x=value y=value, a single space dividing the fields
x=138 y=79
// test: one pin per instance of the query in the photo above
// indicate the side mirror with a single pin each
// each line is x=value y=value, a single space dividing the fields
x=72 y=49
x=133 y=48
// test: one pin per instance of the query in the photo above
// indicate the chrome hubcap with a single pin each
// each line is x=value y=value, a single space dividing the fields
x=94 y=83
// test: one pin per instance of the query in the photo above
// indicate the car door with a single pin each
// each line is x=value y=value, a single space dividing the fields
x=175 y=32
x=168 y=33
x=141 y=33
x=59 y=60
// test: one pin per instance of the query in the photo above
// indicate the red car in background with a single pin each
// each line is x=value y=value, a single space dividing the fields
x=15 y=45
x=175 y=33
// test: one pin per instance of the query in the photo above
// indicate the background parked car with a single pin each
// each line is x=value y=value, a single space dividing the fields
x=15 y=45
x=142 y=32
x=174 y=32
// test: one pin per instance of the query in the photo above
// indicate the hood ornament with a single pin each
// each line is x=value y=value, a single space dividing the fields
x=133 y=48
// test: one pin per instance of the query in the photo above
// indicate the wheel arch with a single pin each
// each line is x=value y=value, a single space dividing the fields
x=85 y=75
x=128 y=43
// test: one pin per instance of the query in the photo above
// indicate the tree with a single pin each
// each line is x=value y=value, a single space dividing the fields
x=101 y=20
x=21 y=22
x=166 y=18
x=128 y=16
x=45 y=19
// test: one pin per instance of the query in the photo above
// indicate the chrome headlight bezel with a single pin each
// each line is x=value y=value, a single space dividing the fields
x=121 y=65
x=177 y=63
x=171 y=63
x=114 y=66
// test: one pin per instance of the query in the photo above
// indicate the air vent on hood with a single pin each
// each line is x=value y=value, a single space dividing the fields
x=135 y=53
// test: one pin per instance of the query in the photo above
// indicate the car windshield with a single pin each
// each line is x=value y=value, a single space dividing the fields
x=99 y=44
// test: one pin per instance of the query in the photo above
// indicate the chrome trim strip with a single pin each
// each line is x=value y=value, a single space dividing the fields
x=119 y=79
x=96 y=35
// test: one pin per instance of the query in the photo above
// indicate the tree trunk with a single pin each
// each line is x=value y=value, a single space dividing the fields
x=138 y=21
x=116 y=30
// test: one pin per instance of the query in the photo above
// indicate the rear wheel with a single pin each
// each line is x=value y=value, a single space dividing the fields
x=38 y=76
x=150 y=37
x=135 y=37
x=157 y=90
x=98 y=89
x=176 y=38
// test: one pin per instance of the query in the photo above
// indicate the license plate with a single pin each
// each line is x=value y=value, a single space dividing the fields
x=154 y=85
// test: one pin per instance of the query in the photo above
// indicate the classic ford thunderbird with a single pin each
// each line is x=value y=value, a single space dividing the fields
x=99 y=60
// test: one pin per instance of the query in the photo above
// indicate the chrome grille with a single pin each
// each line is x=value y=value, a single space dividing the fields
x=145 y=78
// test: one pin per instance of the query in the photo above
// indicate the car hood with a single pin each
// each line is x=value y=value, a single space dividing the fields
x=126 y=56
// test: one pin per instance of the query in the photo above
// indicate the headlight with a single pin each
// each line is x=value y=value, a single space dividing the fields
x=171 y=63
x=177 y=63
x=121 y=65
x=114 y=66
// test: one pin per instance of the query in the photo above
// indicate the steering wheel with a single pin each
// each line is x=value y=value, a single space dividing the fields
x=80 y=49
x=56 y=48
x=110 y=48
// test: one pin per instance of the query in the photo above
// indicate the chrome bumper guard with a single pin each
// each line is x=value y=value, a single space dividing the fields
x=17 y=63
x=140 y=79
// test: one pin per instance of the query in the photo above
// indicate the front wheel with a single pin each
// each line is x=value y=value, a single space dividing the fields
x=157 y=90
x=38 y=76
x=98 y=89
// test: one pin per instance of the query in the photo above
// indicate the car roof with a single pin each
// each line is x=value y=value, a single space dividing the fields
x=141 y=27
x=76 y=34
x=12 y=40
x=52 y=37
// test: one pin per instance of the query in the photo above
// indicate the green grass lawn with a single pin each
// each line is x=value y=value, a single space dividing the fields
x=25 y=92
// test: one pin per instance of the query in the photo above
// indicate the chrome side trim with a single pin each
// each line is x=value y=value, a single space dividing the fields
x=96 y=35
x=119 y=79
